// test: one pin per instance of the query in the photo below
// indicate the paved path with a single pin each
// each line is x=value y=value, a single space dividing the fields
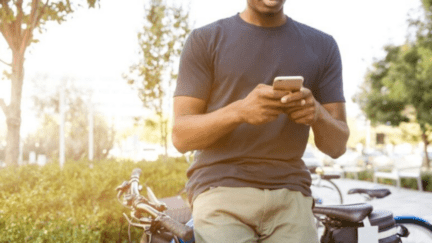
x=401 y=201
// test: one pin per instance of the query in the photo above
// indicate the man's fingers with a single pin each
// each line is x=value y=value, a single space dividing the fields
x=278 y=94
x=296 y=96
x=306 y=120
x=302 y=102
x=300 y=113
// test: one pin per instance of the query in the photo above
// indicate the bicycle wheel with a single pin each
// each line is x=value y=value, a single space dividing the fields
x=420 y=231
x=326 y=192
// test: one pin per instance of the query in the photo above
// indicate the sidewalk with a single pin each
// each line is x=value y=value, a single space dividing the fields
x=401 y=201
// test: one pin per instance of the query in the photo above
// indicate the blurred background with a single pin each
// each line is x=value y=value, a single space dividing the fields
x=86 y=96
x=90 y=54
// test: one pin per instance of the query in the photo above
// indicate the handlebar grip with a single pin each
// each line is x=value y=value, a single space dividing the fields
x=183 y=231
x=136 y=172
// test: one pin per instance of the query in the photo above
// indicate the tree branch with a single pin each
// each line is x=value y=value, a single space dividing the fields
x=10 y=65
x=33 y=12
x=5 y=28
x=38 y=18
x=29 y=30
x=19 y=17
x=34 y=21
x=4 y=107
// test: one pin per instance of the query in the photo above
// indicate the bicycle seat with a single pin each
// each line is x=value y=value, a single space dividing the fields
x=373 y=193
x=329 y=176
x=350 y=212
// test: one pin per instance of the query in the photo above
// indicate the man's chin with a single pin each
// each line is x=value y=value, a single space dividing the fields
x=273 y=3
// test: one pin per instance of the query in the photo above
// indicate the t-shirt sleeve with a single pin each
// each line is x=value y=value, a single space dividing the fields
x=195 y=75
x=330 y=85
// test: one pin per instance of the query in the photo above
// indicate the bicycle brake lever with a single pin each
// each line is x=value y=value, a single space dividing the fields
x=160 y=206
x=143 y=226
x=123 y=187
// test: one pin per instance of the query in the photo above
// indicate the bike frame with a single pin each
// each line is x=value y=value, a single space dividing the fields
x=134 y=201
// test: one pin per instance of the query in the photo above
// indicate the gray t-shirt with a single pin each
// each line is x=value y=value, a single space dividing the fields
x=222 y=63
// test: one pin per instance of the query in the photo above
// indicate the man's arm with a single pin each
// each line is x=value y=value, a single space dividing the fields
x=194 y=129
x=331 y=131
x=328 y=121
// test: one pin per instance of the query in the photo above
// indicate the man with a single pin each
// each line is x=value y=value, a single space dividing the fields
x=248 y=182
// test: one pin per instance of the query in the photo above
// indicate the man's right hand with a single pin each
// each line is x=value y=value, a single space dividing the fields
x=194 y=129
x=262 y=105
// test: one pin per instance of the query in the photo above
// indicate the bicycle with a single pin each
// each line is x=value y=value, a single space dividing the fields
x=148 y=214
x=324 y=190
x=415 y=228
x=342 y=222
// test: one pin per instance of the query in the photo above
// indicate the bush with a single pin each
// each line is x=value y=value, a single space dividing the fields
x=427 y=181
x=78 y=203
x=366 y=175
x=410 y=183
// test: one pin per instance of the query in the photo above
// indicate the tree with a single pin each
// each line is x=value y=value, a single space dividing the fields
x=398 y=88
x=45 y=139
x=160 y=41
x=374 y=97
x=18 y=21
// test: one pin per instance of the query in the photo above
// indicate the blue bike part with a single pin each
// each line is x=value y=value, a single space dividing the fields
x=413 y=220
x=190 y=224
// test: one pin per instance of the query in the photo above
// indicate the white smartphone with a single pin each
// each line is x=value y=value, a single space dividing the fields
x=288 y=83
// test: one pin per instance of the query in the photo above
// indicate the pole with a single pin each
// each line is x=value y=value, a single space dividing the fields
x=62 y=127
x=368 y=134
x=91 y=131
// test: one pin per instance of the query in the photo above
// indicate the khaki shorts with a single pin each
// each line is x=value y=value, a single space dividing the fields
x=243 y=214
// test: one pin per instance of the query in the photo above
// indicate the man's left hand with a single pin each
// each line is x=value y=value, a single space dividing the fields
x=302 y=108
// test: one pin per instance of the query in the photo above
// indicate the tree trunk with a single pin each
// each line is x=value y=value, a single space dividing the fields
x=426 y=143
x=13 y=113
x=163 y=125
x=163 y=136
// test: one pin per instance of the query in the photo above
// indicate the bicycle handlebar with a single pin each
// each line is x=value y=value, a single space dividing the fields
x=183 y=231
x=155 y=208
x=136 y=173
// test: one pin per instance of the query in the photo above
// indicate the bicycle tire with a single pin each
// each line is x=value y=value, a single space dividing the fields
x=326 y=192
x=420 y=230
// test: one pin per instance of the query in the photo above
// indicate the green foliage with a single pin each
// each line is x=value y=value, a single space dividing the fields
x=427 y=5
x=375 y=97
x=366 y=175
x=78 y=203
x=35 y=13
x=427 y=181
x=398 y=88
x=386 y=181
x=410 y=183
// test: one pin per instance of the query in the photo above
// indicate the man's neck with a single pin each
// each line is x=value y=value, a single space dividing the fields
x=263 y=20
